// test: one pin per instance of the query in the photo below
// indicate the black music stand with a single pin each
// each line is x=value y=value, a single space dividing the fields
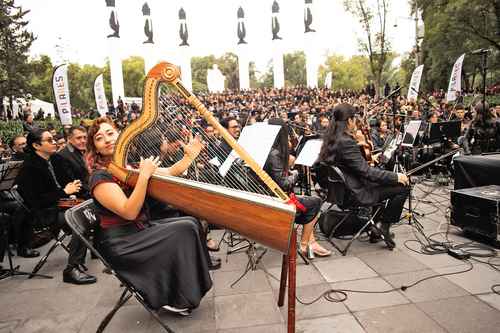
x=8 y=174
x=443 y=131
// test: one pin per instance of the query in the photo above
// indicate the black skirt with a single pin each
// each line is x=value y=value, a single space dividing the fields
x=166 y=262
x=312 y=205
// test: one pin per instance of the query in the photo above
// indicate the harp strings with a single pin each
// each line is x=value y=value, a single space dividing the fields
x=177 y=123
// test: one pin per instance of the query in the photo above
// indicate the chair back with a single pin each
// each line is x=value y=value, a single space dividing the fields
x=81 y=219
x=332 y=179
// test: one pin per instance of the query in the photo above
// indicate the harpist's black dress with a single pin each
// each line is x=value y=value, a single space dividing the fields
x=163 y=259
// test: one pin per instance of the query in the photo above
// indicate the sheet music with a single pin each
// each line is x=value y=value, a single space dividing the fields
x=310 y=153
x=257 y=140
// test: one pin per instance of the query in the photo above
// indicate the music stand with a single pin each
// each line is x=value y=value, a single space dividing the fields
x=443 y=131
x=308 y=150
x=411 y=133
x=8 y=174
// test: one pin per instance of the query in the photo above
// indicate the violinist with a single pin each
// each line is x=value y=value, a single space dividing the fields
x=379 y=135
x=368 y=185
x=364 y=141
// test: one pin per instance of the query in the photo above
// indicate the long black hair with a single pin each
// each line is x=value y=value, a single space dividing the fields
x=338 y=127
x=281 y=141
x=34 y=136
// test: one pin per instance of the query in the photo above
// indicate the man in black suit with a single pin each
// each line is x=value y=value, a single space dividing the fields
x=69 y=163
x=41 y=191
x=368 y=185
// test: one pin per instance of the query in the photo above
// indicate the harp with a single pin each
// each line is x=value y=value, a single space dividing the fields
x=242 y=198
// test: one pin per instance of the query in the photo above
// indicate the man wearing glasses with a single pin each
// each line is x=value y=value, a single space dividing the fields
x=41 y=191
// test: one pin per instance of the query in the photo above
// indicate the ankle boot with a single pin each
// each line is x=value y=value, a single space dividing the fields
x=386 y=234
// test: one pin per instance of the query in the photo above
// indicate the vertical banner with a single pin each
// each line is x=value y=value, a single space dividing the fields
x=455 y=85
x=60 y=84
x=415 y=83
x=328 y=80
x=100 y=95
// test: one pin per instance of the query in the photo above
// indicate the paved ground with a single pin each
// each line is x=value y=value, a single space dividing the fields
x=453 y=303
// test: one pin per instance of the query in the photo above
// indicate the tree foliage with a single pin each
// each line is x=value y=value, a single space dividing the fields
x=295 y=68
x=453 y=27
x=373 y=20
x=15 y=42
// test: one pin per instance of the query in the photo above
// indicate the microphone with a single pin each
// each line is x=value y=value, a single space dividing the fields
x=480 y=51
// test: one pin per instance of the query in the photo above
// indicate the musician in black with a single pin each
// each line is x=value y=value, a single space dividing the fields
x=41 y=191
x=482 y=136
x=164 y=259
x=368 y=185
x=308 y=207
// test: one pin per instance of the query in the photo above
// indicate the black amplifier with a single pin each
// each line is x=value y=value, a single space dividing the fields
x=477 y=210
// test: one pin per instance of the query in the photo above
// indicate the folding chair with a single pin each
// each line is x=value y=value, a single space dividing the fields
x=332 y=181
x=81 y=219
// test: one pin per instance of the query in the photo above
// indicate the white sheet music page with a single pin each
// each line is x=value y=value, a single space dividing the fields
x=310 y=153
x=257 y=140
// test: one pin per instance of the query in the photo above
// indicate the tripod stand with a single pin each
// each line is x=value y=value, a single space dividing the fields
x=8 y=173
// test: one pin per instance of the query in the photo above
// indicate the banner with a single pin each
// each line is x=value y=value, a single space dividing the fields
x=415 y=83
x=100 y=95
x=328 y=80
x=60 y=84
x=455 y=85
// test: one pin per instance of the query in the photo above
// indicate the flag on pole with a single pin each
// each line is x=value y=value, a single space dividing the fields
x=60 y=85
x=100 y=95
x=415 y=83
x=455 y=85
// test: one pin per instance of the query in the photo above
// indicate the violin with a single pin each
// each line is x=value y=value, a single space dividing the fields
x=364 y=142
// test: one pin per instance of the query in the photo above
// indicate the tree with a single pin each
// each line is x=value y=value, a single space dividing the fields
x=295 y=68
x=350 y=73
x=40 y=80
x=228 y=65
x=374 y=23
x=199 y=68
x=456 y=27
x=15 y=42
x=133 y=76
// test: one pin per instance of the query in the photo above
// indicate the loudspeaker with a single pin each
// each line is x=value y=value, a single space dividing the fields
x=331 y=218
x=477 y=211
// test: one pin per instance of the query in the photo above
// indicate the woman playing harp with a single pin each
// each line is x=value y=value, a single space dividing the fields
x=166 y=260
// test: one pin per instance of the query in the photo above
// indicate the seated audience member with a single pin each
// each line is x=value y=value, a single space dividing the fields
x=18 y=144
x=41 y=191
x=69 y=163
x=164 y=259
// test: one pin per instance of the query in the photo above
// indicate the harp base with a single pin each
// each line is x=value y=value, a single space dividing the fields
x=288 y=267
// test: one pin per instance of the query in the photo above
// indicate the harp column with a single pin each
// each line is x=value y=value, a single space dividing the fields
x=310 y=46
x=185 y=51
x=114 y=51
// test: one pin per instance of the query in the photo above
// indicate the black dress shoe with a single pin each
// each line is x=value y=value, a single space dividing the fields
x=76 y=276
x=388 y=236
x=214 y=263
x=27 y=253
x=376 y=236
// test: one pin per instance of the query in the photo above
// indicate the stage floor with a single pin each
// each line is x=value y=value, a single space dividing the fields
x=456 y=303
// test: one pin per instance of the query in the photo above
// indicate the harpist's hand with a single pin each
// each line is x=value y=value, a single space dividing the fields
x=148 y=166
x=193 y=148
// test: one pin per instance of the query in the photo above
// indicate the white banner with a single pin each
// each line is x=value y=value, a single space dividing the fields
x=328 y=80
x=455 y=85
x=415 y=83
x=100 y=95
x=60 y=84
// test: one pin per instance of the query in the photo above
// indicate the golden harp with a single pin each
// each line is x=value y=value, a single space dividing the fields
x=243 y=199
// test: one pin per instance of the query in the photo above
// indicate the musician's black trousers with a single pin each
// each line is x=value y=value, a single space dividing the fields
x=77 y=248
x=397 y=195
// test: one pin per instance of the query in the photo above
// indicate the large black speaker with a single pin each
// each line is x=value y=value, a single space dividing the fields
x=477 y=210
x=329 y=219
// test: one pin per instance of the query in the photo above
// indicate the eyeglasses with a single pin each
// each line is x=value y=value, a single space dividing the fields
x=51 y=140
